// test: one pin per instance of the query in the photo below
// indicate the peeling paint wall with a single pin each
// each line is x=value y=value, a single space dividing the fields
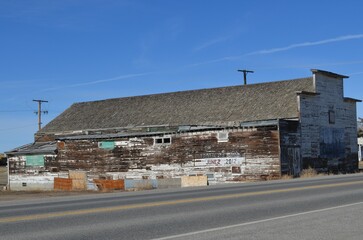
x=40 y=182
x=32 y=164
x=250 y=153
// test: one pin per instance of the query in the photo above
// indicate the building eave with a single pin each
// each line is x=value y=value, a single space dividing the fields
x=329 y=74
x=347 y=99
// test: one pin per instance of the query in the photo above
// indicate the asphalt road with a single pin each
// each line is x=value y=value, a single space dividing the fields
x=319 y=208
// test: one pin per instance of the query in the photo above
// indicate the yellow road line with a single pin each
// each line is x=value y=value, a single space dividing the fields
x=165 y=203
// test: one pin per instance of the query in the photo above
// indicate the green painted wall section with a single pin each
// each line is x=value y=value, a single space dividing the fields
x=107 y=145
x=35 y=161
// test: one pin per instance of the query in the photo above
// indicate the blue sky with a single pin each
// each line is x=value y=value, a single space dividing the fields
x=73 y=51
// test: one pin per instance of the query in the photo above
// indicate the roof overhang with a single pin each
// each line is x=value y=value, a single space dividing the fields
x=113 y=135
x=329 y=74
x=351 y=100
x=273 y=122
x=307 y=93
x=139 y=134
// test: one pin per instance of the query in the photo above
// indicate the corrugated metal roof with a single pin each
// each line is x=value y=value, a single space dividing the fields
x=34 y=148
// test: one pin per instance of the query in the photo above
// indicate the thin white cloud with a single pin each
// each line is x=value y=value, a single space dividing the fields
x=212 y=42
x=306 y=44
x=356 y=73
x=127 y=76
x=314 y=65
x=280 y=49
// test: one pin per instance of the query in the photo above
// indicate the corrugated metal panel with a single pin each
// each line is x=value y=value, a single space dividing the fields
x=35 y=148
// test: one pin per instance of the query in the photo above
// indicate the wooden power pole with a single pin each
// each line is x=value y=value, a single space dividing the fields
x=245 y=74
x=39 y=112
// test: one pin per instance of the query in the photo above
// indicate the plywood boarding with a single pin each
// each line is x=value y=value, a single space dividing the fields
x=79 y=180
x=193 y=181
x=110 y=184
x=64 y=184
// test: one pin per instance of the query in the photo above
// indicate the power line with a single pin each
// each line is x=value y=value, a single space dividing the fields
x=16 y=128
x=15 y=110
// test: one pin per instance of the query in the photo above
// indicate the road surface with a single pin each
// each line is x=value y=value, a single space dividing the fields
x=328 y=207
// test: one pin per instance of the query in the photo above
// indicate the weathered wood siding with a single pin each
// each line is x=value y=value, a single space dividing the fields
x=247 y=152
x=87 y=155
x=20 y=165
x=328 y=127
x=3 y=176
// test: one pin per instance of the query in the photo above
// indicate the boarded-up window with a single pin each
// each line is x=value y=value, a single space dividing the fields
x=222 y=137
x=331 y=117
x=35 y=161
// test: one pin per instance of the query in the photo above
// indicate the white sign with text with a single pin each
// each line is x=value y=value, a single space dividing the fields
x=226 y=161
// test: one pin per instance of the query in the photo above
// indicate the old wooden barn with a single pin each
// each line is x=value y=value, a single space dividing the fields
x=229 y=133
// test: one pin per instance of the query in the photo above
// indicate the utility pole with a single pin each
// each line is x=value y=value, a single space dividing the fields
x=39 y=112
x=245 y=74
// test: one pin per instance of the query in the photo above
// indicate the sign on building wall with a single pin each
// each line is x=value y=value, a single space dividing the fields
x=35 y=161
x=226 y=161
x=106 y=144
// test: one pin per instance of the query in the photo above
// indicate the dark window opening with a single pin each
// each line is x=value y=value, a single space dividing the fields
x=331 y=117
x=166 y=140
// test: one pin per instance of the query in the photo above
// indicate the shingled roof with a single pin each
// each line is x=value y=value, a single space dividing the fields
x=216 y=106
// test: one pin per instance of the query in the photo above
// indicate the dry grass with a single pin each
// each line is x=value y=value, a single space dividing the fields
x=286 y=177
x=310 y=172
